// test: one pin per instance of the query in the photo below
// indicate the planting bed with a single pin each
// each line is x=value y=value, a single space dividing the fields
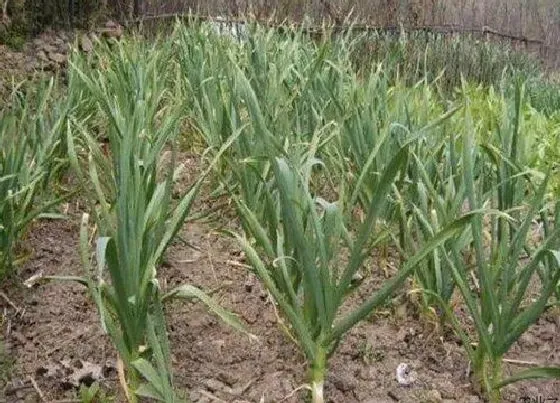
x=339 y=210
x=54 y=337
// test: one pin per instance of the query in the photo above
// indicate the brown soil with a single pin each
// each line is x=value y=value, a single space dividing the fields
x=52 y=336
x=54 y=333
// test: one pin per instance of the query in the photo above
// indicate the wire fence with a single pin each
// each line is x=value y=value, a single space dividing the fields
x=529 y=25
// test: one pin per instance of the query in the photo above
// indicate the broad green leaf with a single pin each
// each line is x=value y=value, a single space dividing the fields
x=347 y=322
x=532 y=373
x=149 y=391
x=150 y=374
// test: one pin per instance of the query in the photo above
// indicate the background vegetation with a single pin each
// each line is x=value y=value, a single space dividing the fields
x=329 y=145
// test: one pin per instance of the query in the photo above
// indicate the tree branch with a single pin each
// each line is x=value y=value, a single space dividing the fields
x=332 y=13
x=5 y=16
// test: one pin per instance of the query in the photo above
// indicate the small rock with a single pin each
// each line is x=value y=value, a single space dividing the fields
x=343 y=382
x=48 y=48
x=117 y=33
x=396 y=394
x=86 y=44
x=364 y=374
x=269 y=317
x=57 y=58
x=250 y=315
x=213 y=385
x=228 y=378
x=405 y=375
x=195 y=395
x=41 y=55
x=111 y=30
x=433 y=396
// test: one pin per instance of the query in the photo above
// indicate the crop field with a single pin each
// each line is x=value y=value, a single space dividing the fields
x=271 y=215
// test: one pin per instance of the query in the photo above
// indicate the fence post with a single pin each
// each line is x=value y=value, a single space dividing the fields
x=71 y=13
